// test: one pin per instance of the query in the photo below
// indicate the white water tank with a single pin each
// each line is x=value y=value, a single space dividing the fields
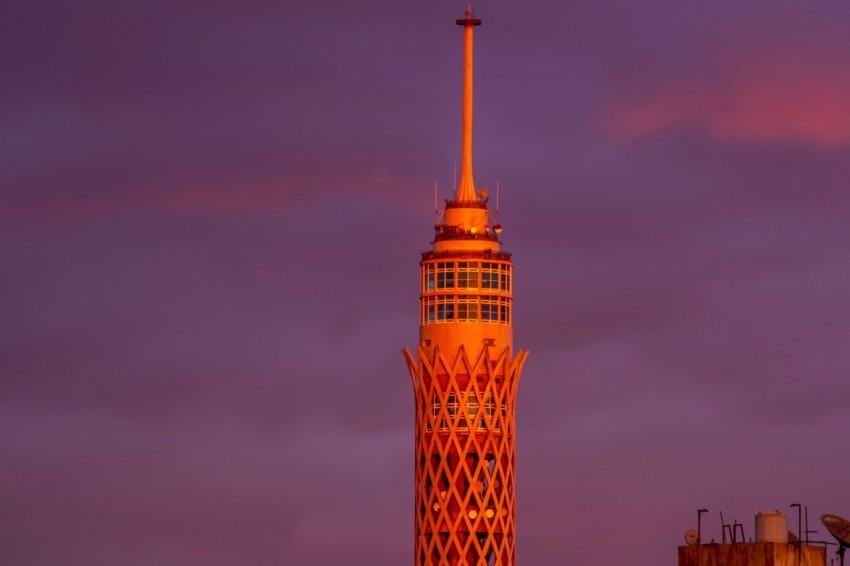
x=771 y=526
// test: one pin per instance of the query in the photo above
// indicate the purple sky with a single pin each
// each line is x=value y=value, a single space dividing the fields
x=210 y=226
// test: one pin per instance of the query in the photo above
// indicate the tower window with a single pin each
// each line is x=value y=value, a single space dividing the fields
x=445 y=308
x=428 y=277
x=467 y=309
x=505 y=313
x=493 y=309
x=452 y=404
x=428 y=310
x=490 y=308
x=489 y=275
x=505 y=276
x=436 y=409
x=446 y=275
x=467 y=275
x=490 y=411
x=471 y=405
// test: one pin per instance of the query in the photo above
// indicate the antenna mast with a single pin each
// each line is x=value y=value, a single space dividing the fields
x=466 y=189
x=436 y=208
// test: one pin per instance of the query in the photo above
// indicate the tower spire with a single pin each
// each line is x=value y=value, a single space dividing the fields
x=466 y=187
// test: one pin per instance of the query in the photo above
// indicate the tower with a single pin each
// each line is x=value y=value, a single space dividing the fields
x=465 y=378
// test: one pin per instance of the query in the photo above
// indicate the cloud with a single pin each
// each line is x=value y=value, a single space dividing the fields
x=762 y=91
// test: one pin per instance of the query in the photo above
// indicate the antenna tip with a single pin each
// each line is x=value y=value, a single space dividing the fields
x=469 y=18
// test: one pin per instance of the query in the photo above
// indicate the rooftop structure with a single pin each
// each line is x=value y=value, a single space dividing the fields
x=774 y=544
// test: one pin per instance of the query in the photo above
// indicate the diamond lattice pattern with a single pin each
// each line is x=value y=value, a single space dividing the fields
x=465 y=457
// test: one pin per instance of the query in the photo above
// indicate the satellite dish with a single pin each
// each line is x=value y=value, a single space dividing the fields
x=840 y=529
x=837 y=527
x=691 y=537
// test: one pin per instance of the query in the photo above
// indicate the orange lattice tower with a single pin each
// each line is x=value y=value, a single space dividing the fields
x=465 y=378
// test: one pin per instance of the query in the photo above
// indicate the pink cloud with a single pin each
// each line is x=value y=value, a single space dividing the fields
x=758 y=93
x=285 y=194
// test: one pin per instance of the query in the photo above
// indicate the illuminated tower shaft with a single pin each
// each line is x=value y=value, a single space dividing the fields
x=465 y=379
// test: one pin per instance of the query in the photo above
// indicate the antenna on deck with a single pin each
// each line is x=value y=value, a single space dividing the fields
x=454 y=178
x=436 y=208
x=497 y=228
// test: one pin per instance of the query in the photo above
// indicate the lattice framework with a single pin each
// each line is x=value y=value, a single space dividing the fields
x=465 y=456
